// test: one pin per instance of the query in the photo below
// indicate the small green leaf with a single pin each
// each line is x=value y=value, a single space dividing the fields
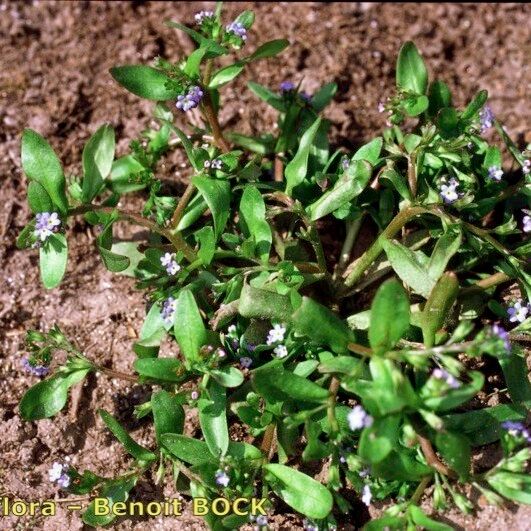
x=324 y=96
x=447 y=245
x=227 y=376
x=40 y=163
x=164 y=369
x=113 y=262
x=389 y=316
x=419 y=518
x=411 y=72
x=415 y=105
x=38 y=198
x=448 y=122
x=515 y=371
x=455 y=449
x=439 y=96
x=377 y=441
x=475 y=105
x=192 y=451
x=136 y=450
x=299 y=491
x=296 y=169
x=225 y=75
x=48 y=397
x=267 y=95
x=456 y=397
x=332 y=331
x=189 y=329
x=168 y=414
x=115 y=490
x=268 y=49
x=370 y=152
x=191 y=68
x=349 y=186
x=207 y=244
x=213 y=419
x=145 y=81
x=408 y=268
x=217 y=195
x=264 y=304
x=253 y=216
x=53 y=256
x=245 y=18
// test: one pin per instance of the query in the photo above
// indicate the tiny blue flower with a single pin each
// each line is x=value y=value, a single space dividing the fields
x=190 y=100
x=495 y=173
x=441 y=374
x=486 y=118
x=238 y=29
x=526 y=220
x=202 y=15
x=448 y=191
x=518 y=312
x=58 y=474
x=358 y=418
x=37 y=370
x=168 y=310
x=287 y=86
x=46 y=223
x=246 y=362
x=222 y=478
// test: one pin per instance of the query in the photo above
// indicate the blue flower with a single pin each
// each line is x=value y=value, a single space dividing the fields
x=486 y=118
x=169 y=262
x=287 y=86
x=499 y=331
x=202 y=15
x=190 y=100
x=222 y=478
x=526 y=220
x=358 y=418
x=516 y=429
x=37 y=370
x=495 y=173
x=238 y=29
x=46 y=223
x=449 y=191
x=58 y=474
x=168 y=310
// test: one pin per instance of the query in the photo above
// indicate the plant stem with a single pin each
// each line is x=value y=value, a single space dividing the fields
x=212 y=119
x=419 y=491
x=331 y=407
x=376 y=248
x=279 y=168
x=412 y=175
x=179 y=210
x=117 y=374
x=176 y=239
x=432 y=459
x=359 y=349
x=353 y=228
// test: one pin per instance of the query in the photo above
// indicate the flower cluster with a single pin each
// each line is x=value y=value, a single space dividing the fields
x=169 y=262
x=449 y=192
x=276 y=334
x=526 y=166
x=202 y=15
x=486 y=118
x=516 y=429
x=246 y=362
x=168 y=310
x=215 y=164
x=190 y=100
x=526 y=221
x=358 y=418
x=37 y=370
x=59 y=474
x=495 y=173
x=46 y=223
x=238 y=29
x=445 y=376
x=518 y=312
x=500 y=332
x=287 y=86
x=222 y=478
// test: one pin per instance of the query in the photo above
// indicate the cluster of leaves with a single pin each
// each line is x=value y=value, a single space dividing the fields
x=247 y=237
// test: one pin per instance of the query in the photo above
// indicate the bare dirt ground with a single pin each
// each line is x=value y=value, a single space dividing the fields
x=54 y=61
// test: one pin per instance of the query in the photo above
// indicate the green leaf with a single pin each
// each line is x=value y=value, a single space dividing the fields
x=515 y=371
x=297 y=168
x=245 y=18
x=438 y=306
x=188 y=146
x=456 y=397
x=415 y=105
x=130 y=251
x=40 y=164
x=419 y=518
x=516 y=487
x=279 y=385
x=217 y=195
x=439 y=96
x=192 y=451
x=214 y=49
x=349 y=186
x=268 y=49
x=207 y=244
x=324 y=96
x=53 y=256
x=389 y=316
x=377 y=441
x=189 y=329
x=140 y=453
x=408 y=268
x=264 y=304
x=115 y=490
x=98 y=155
x=48 y=397
x=213 y=419
x=164 y=369
x=447 y=245
x=370 y=152
x=455 y=449
x=225 y=75
x=123 y=173
x=149 y=347
x=299 y=491
x=448 y=122
x=332 y=331
x=267 y=95
x=168 y=414
x=400 y=465
x=411 y=72
x=483 y=425
x=191 y=68
x=253 y=215
x=399 y=183
x=146 y=82
x=475 y=105
x=38 y=198
x=227 y=376
x=113 y=262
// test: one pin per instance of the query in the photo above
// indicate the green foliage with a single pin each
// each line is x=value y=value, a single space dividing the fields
x=250 y=271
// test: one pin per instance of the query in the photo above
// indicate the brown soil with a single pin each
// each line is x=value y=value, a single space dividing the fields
x=54 y=78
